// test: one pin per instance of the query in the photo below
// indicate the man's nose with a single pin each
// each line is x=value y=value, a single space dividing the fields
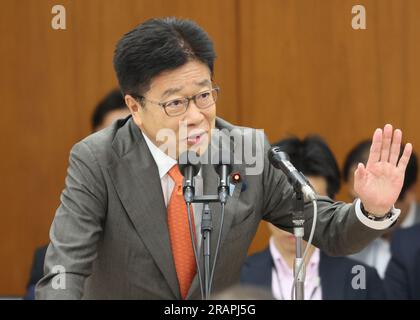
x=194 y=114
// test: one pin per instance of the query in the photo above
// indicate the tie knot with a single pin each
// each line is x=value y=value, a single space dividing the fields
x=176 y=175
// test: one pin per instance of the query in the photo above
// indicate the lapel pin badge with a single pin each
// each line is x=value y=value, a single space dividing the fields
x=234 y=178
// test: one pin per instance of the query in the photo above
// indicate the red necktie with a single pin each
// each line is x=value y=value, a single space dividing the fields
x=179 y=234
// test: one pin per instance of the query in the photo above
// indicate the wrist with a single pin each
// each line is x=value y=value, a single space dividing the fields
x=375 y=216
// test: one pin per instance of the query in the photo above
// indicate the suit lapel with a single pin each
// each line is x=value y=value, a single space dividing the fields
x=136 y=179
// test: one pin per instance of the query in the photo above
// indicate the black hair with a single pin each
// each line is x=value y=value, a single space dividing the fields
x=112 y=101
x=360 y=153
x=312 y=156
x=159 y=45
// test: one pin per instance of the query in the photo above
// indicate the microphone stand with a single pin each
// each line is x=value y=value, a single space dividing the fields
x=298 y=230
x=206 y=221
x=206 y=230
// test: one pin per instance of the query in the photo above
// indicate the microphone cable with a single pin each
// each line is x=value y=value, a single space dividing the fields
x=217 y=246
x=306 y=249
x=195 y=249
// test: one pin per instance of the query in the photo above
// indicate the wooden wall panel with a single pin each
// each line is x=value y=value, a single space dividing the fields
x=305 y=70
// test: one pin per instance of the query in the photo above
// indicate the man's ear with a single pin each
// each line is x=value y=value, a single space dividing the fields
x=131 y=104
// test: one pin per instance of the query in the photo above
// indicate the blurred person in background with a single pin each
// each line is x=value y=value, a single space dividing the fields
x=378 y=253
x=402 y=276
x=111 y=108
x=243 y=292
x=359 y=154
x=327 y=278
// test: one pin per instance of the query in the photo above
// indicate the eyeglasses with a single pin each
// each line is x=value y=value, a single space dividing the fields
x=176 y=107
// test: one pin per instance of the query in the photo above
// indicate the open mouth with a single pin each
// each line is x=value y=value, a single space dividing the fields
x=195 y=138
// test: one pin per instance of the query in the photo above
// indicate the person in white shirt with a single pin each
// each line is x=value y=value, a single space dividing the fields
x=326 y=277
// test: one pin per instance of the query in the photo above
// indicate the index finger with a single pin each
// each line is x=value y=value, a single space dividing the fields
x=375 y=148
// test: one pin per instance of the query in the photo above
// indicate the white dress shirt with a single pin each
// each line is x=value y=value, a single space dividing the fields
x=282 y=276
x=410 y=218
x=378 y=253
x=164 y=164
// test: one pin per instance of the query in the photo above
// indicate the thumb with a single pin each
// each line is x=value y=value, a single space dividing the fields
x=360 y=172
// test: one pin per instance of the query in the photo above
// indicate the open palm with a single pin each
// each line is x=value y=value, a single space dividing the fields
x=380 y=182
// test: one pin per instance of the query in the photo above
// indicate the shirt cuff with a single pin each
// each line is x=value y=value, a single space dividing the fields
x=377 y=225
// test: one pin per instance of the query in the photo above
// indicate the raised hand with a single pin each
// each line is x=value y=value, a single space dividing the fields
x=380 y=182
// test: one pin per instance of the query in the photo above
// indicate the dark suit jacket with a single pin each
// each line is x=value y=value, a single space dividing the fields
x=335 y=274
x=110 y=233
x=402 y=277
x=37 y=272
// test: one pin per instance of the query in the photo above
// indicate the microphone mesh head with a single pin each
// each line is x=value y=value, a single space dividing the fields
x=225 y=158
x=187 y=159
x=276 y=152
x=284 y=156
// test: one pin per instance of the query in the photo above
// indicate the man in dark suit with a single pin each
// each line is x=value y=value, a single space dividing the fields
x=402 y=277
x=37 y=272
x=121 y=230
x=327 y=277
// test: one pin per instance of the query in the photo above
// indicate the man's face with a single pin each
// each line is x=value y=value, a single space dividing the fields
x=350 y=183
x=320 y=184
x=188 y=80
x=350 y=179
x=286 y=240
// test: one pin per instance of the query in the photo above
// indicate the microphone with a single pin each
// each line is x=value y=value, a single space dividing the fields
x=280 y=160
x=189 y=165
x=223 y=169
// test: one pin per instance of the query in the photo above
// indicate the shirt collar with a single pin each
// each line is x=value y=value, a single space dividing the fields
x=163 y=161
x=411 y=216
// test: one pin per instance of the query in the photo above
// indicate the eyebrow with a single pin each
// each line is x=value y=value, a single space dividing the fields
x=171 y=91
x=204 y=83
